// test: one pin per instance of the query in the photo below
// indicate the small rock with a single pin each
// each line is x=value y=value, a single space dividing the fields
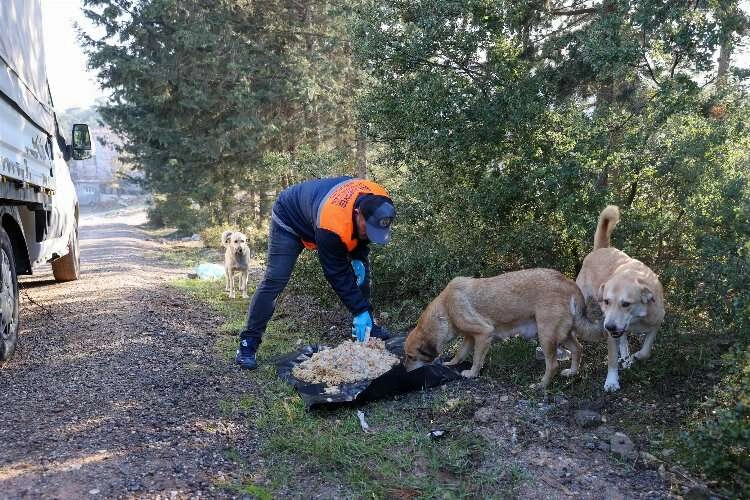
x=195 y=237
x=662 y=471
x=666 y=453
x=602 y=446
x=622 y=446
x=436 y=433
x=504 y=398
x=95 y=491
x=648 y=459
x=587 y=418
x=590 y=445
x=484 y=415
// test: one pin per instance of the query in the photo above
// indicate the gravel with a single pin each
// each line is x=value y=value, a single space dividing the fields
x=115 y=389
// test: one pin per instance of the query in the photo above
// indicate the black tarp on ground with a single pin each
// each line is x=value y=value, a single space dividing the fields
x=396 y=380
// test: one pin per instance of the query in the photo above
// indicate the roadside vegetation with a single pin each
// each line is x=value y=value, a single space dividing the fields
x=327 y=447
x=501 y=129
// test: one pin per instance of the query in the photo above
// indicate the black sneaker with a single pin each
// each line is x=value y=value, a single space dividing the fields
x=379 y=332
x=245 y=356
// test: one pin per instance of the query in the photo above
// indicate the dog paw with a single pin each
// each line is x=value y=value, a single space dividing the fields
x=468 y=374
x=568 y=372
x=611 y=386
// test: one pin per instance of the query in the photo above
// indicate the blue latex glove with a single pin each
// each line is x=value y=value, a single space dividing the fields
x=359 y=271
x=361 y=324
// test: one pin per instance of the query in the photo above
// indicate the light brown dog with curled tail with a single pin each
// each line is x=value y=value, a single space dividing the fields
x=629 y=293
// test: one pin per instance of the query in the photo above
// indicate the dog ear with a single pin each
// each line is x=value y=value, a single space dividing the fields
x=226 y=236
x=647 y=295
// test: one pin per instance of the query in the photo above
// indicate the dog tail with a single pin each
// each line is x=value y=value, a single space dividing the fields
x=608 y=219
x=586 y=329
x=225 y=238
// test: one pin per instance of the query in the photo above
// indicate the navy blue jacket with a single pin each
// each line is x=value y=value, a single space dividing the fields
x=297 y=208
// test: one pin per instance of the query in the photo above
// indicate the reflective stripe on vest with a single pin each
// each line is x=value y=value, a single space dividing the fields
x=336 y=211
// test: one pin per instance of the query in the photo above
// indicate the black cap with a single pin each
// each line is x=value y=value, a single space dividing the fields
x=379 y=213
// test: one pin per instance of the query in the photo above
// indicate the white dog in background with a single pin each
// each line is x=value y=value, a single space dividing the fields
x=236 y=260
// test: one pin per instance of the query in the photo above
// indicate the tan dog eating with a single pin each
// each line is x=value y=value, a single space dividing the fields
x=236 y=260
x=630 y=295
x=540 y=303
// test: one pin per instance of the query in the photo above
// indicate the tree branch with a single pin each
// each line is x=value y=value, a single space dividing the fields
x=650 y=70
x=674 y=64
x=574 y=12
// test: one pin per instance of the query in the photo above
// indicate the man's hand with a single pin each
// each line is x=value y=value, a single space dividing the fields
x=361 y=325
x=359 y=271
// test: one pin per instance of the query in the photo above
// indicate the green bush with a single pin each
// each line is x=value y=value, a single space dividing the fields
x=177 y=211
x=719 y=443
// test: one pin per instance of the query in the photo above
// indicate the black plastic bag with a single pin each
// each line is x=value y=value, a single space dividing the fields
x=394 y=381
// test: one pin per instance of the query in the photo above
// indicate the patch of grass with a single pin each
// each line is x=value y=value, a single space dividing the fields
x=399 y=455
x=258 y=492
x=254 y=490
x=400 y=460
x=187 y=256
x=233 y=455
x=512 y=362
x=212 y=292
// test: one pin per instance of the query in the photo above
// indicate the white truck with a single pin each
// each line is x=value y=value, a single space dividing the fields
x=38 y=204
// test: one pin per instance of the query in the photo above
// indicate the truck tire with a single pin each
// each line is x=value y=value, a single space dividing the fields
x=68 y=267
x=9 y=302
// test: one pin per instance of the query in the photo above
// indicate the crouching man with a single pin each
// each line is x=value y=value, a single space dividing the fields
x=338 y=217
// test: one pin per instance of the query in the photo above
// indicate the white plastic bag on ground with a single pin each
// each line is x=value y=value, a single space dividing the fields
x=208 y=271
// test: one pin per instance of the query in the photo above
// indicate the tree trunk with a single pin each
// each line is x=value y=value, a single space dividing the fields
x=361 y=152
x=725 y=56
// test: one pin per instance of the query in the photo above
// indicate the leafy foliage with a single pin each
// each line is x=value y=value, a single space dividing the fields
x=203 y=91
x=507 y=126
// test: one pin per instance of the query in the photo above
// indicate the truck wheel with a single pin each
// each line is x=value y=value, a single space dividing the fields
x=9 y=304
x=68 y=267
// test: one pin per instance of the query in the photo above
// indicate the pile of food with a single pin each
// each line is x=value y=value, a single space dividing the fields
x=347 y=363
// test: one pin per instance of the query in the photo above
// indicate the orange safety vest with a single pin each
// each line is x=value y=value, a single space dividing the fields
x=336 y=211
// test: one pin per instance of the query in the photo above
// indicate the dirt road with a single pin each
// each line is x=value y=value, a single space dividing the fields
x=114 y=390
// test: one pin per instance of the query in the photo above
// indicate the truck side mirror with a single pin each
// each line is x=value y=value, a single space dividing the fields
x=81 y=147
